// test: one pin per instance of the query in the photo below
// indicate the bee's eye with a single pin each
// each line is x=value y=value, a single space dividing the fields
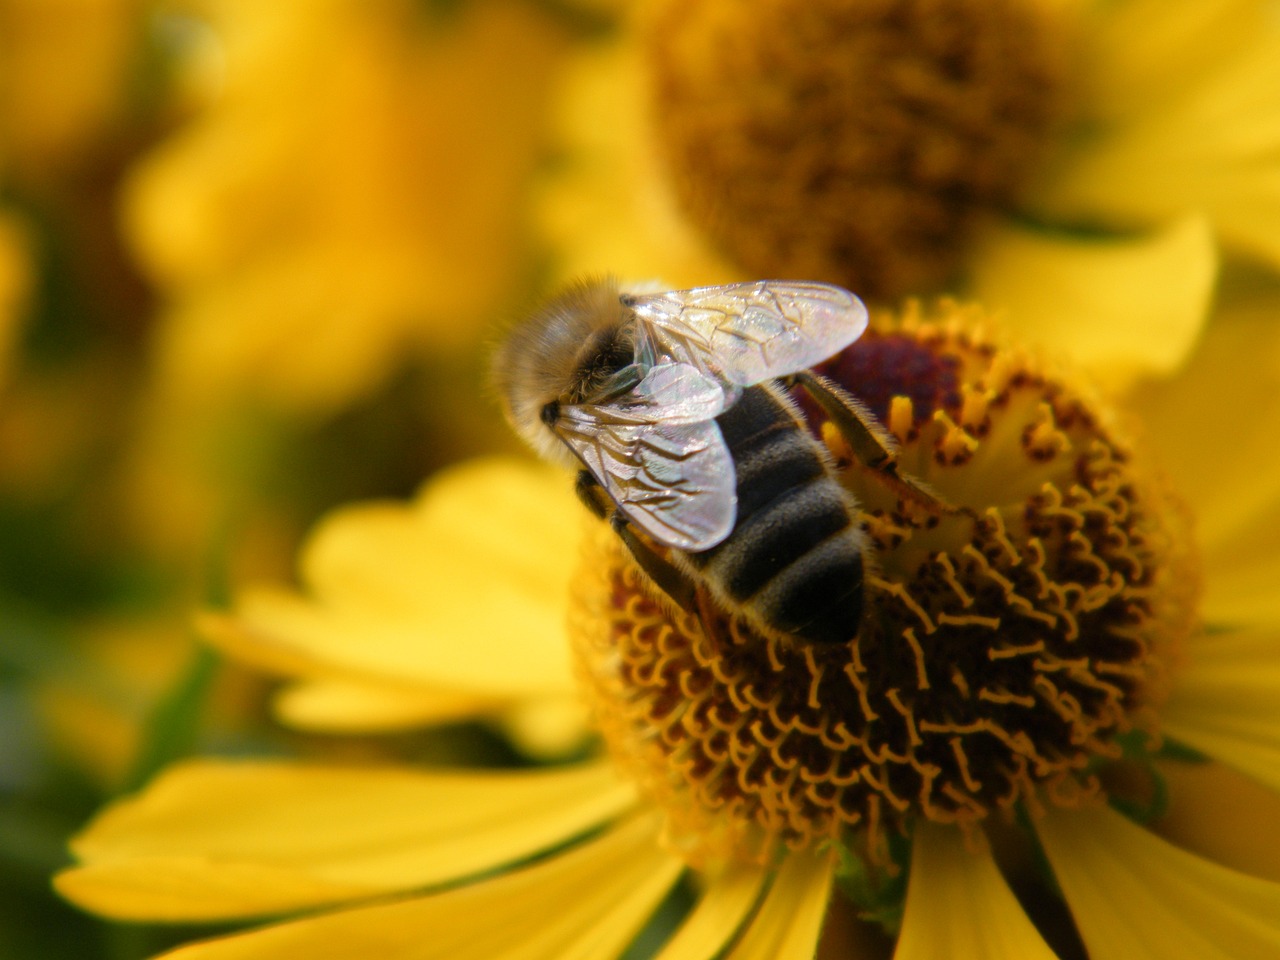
x=551 y=412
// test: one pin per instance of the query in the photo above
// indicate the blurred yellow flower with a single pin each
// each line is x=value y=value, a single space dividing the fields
x=345 y=205
x=1047 y=157
x=350 y=192
x=1051 y=700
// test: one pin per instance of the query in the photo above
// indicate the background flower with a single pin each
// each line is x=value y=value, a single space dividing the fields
x=1045 y=158
x=247 y=253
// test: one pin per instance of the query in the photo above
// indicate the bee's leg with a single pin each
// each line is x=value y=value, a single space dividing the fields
x=664 y=574
x=682 y=591
x=870 y=442
x=592 y=495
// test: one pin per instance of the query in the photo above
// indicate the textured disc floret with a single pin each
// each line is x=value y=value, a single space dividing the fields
x=856 y=141
x=1004 y=649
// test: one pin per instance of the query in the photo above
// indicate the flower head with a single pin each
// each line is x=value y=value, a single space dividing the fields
x=1024 y=659
x=1039 y=156
x=1005 y=648
x=851 y=140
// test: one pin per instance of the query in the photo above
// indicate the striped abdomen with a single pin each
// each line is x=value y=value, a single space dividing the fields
x=794 y=559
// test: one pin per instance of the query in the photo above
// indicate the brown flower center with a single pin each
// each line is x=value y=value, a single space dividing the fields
x=855 y=141
x=1003 y=649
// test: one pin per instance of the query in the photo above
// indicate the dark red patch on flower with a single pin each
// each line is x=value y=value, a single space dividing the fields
x=879 y=367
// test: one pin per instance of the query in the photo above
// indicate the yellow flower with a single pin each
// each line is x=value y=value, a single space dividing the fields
x=342 y=206
x=1024 y=661
x=1047 y=157
x=349 y=192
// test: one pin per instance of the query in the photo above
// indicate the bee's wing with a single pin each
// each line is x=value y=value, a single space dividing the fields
x=659 y=454
x=744 y=333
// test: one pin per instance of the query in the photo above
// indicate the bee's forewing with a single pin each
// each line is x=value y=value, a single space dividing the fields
x=745 y=333
x=659 y=454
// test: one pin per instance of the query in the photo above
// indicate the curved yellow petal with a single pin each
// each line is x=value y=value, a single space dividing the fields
x=721 y=911
x=463 y=589
x=211 y=840
x=1223 y=816
x=1135 y=896
x=337 y=706
x=1225 y=702
x=1119 y=307
x=790 y=918
x=1213 y=428
x=176 y=889
x=580 y=905
x=959 y=906
x=548 y=727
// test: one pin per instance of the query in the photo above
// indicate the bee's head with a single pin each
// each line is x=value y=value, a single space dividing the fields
x=561 y=354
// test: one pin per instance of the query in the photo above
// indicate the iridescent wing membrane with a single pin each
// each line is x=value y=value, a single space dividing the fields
x=658 y=453
x=745 y=333
x=657 y=449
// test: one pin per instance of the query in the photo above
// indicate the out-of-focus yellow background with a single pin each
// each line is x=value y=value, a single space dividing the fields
x=251 y=256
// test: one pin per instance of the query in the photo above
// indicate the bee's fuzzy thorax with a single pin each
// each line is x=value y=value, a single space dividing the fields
x=545 y=357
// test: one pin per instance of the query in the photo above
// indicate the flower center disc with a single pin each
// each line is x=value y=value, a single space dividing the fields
x=1003 y=647
x=854 y=141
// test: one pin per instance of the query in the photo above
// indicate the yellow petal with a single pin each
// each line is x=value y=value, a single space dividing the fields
x=1242 y=567
x=212 y=840
x=1147 y=52
x=719 y=913
x=347 y=707
x=546 y=727
x=1118 y=307
x=465 y=589
x=1214 y=429
x=584 y=904
x=1135 y=896
x=959 y=906
x=1223 y=816
x=1189 y=123
x=1225 y=702
x=173 y=889
x=1179 y=108
x=790 y=917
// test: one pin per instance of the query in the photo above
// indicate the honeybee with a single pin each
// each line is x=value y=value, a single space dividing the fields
x=674 y=407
